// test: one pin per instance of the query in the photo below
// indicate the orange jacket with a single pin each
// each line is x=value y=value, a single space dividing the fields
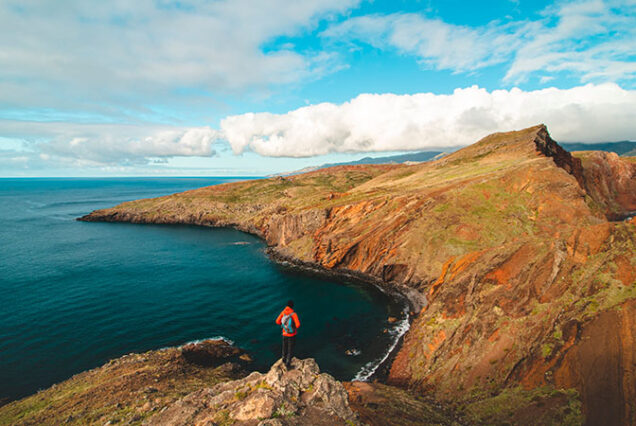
x=288 y=311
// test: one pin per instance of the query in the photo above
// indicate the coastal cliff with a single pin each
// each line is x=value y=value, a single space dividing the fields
x=513 y=252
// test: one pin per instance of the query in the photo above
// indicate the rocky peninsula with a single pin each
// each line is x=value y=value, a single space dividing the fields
x=516 y=255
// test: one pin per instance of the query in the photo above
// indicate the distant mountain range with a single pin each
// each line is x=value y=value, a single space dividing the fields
x=622 y=148
x=415 y=157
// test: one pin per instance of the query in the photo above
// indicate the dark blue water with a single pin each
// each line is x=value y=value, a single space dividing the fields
x=74 y=295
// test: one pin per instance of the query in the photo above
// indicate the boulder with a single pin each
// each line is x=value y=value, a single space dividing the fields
x=261 y=404
x=211 y=352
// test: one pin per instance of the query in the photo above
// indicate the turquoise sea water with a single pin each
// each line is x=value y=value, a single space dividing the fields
x=74 y=295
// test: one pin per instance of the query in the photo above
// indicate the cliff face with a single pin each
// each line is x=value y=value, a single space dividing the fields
x=610 y=181
x=509 y=240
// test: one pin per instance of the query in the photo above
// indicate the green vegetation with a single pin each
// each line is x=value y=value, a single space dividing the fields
x=541 y=406
x=264 y=385
x=240 y=395
x=546 y=349
x=284 y=411
x=222 y=418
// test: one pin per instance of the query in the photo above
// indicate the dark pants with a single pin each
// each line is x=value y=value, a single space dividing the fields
x=288 y=348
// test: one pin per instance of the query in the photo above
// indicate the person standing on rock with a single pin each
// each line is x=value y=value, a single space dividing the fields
x=288 y=320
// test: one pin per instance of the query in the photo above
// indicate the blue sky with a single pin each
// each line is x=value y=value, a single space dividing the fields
x=249 y=88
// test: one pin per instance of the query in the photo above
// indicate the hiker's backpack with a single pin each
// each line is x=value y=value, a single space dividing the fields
x=288 y=324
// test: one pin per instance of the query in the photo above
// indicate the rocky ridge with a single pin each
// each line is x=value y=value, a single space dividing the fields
x=511 y=250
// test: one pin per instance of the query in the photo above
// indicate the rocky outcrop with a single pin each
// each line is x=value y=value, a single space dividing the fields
x=128 y=390
x=504 y=247
x=282 y=229
x=203 y=383
x=611 y=182
x=212 y=353
x=300 y=395
x=562 y=158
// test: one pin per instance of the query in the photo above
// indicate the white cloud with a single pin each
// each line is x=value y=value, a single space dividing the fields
x=109 y=144
x=76 y=53
x=390 y=122
x=437 y=44
x=592 y=39
x=367 y=123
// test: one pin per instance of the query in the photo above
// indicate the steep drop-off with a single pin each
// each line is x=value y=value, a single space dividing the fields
x=509 y=250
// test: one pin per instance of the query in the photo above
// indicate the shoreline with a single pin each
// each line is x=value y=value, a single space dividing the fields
x=414 y=299
x=378 y=369
x=410 y=297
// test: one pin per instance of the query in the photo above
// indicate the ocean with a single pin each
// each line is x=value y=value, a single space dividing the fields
x=75 y=294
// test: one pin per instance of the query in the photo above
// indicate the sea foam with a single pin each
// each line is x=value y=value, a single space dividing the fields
x=396 y=333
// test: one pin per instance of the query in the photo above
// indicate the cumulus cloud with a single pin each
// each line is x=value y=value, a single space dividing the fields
x=367 y=123
x=594 y=40
x=390 y=122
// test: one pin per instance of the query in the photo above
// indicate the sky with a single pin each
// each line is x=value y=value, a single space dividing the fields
x=253 y=87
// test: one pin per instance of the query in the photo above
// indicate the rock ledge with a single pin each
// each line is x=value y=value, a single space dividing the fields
x=300 y=395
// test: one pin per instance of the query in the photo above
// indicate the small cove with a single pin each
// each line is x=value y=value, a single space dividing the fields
x=78 y=294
